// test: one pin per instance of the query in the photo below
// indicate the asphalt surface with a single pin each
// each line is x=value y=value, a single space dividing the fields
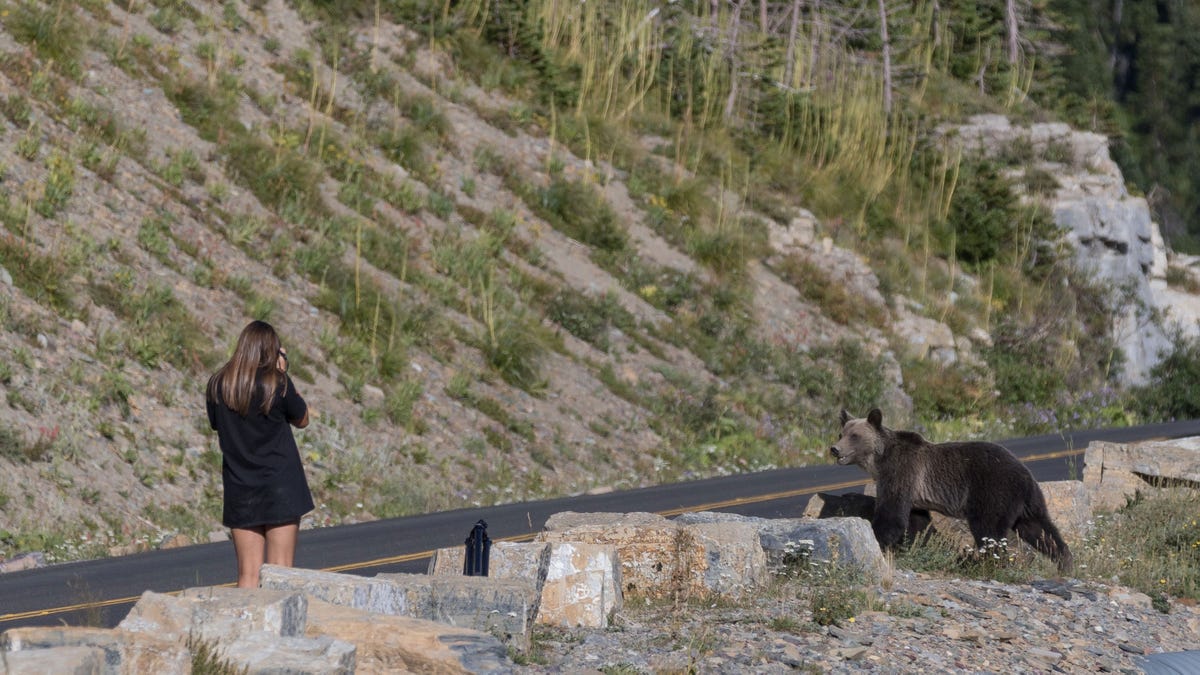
x=101 y=592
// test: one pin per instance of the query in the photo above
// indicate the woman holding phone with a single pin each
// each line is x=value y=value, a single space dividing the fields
x=253 y=405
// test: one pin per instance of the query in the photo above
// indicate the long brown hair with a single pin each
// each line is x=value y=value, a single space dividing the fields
x=255 y=361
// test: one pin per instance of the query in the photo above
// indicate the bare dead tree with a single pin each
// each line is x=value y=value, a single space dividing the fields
x=793 y=28
x=734 y=62
x=1013 y=29
x=887 y=57
x=981 y=77
x=1118 y=10
x=937 y=26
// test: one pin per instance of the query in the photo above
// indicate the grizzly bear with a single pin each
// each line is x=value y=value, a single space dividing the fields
x=978 y=481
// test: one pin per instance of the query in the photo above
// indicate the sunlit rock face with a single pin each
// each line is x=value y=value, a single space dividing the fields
x=1111 y=231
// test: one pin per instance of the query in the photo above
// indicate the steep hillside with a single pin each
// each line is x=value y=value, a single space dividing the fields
x=138 y=253
x=486 y=298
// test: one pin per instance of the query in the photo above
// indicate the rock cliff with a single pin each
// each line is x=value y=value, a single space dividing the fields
x=1110 y=230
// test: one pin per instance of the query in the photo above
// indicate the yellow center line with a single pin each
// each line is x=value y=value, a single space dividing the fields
x=409 y=557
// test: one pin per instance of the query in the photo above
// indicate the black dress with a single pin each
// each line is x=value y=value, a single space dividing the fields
x=264 y=479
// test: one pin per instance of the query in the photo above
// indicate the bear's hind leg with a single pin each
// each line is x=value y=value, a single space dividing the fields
x=1041 y=534
x=984 y=529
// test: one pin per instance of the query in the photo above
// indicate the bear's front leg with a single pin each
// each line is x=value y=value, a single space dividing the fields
x=890 y=522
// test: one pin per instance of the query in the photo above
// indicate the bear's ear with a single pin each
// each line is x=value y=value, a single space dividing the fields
x=875 y=417
x=844 y=417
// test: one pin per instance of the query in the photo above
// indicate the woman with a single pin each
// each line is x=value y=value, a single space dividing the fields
x=251 y=401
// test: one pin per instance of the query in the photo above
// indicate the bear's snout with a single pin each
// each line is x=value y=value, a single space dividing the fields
x=834 y=451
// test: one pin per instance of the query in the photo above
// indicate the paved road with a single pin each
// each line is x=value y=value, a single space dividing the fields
x=100 y=592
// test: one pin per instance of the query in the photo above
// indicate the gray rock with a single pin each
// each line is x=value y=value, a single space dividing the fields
x=60 y=661
x=844 y=541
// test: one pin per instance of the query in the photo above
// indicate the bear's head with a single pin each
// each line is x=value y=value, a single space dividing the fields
x=862 y=441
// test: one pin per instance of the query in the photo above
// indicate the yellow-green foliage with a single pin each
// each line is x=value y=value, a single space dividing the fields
x=1153 y=545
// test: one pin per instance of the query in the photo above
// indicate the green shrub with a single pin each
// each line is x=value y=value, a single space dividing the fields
x=400 y=400
x=59 y=185
x=405 y=147
x=580 y=211
x=1025 y=361
x=981 y=214
x=841 y=375
x=1178 y=277
x=512 y=343
x=427 y=117
x=1173 y=391
x=12 y=446
x=836 y=592
x=587 y=317
x=945 y=391
x=277 y=178
x=53 y=32
x=42 y=277
x=1152 y=544
x=832 y=296
x=208 y=660
x=17 y=110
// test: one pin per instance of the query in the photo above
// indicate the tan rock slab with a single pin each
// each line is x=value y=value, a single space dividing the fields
x=1070 y=507
x=58 y=660
x=504 y=607
x=580 y=586
x=648 y=546
x=121 y=650
x=506 y=560
x=398 y=644
x=218 y=614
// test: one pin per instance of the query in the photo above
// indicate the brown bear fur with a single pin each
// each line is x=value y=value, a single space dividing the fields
x=856 y=505
x=981 y=482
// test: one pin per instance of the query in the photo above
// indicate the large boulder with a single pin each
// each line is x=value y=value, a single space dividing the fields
x=580 y=586
x=664 y=558
x=260 y=630
x=1070 y=508
x=646 y=544
x=506 y=560
x=119 y=651
x=387 y=645
x=841 y=541
x=504 y=607
x=1111 y=231
x=1114 y=473
x=216 y=614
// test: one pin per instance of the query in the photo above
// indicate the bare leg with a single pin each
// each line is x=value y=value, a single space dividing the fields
x=250 y=545
x=281 y=543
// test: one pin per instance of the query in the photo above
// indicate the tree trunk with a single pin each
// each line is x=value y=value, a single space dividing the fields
x=1118 y=10
x=887 y=57
x=1010 y=21
x=790 y=71
x=937 y=24
x=734 y=63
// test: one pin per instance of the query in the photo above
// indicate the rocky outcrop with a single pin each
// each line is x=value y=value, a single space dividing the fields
x=1111 y=231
